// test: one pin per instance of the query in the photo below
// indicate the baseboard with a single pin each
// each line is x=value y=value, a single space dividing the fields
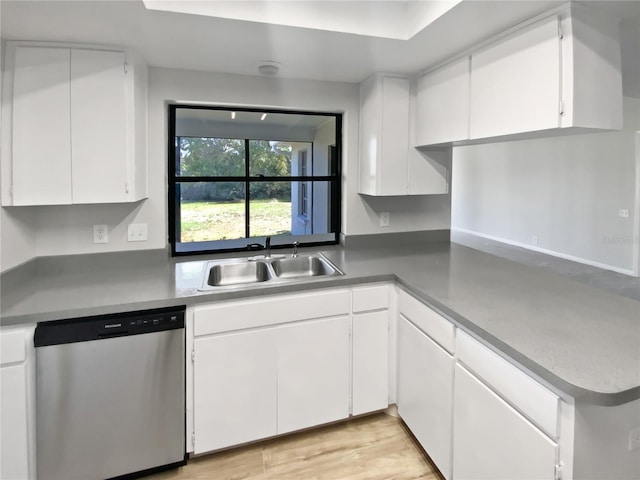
x=552 y=253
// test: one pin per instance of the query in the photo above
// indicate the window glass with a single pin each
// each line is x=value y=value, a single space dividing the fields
x=207 y=156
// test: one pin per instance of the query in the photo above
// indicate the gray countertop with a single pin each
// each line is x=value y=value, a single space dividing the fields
x=583 y=341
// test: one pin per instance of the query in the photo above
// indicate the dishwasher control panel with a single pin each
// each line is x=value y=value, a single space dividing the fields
x=108 y=326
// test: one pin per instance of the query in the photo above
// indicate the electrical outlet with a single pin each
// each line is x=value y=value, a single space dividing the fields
x=623 y=212
x=137 y=232
x=634 y=439
x=385 y=218
x=100 y=234
x=534 y=240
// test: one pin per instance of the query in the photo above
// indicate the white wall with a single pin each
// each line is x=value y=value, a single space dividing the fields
x=61 y=230
x=566 y=191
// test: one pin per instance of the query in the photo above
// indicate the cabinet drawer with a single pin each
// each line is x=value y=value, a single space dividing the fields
x=12 y=347
x=251 y=313
x=532 y=399
x=433 y=324
x=369 y=298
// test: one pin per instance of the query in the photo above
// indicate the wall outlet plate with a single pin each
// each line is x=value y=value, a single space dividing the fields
x=100 y=234
x=137 y=232
x=385 y=218
x=623 y=212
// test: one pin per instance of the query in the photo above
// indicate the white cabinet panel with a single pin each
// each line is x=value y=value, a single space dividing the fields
x=17 y=410
x=14 y=459
x=99 y=123
x=515 y=84
x=313 y=373
x=428 y=320
x=373 y=297
x=41 y=149
x=370 y=364
x=492 y=441
x=538 y=403
x=425 y=382
x=234 y=389
x=276 y=309
x=443 y=104
x=384 y=135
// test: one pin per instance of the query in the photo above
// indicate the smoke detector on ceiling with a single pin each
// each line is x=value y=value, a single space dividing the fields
x=269 y=68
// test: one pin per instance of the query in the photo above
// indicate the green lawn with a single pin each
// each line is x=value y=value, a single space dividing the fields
x=203 y=221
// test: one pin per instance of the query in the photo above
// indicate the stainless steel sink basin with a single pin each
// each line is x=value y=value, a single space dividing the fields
x=244 y=272
x=238 y=273
x=303 y=266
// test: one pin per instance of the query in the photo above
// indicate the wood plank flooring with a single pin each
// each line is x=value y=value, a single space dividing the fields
x=376 y=447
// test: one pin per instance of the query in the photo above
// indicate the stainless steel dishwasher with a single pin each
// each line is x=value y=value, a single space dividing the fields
x=110 y=395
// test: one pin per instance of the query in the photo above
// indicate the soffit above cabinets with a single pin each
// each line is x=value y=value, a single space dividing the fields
x=231 y=45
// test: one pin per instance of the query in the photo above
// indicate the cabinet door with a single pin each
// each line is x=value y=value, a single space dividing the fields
x=41 y=127
x=313 y=373
x=515 y=84
x=14 y=459
x=384 y=135
x=492 y=441
x=14 y=402
x=99 y=126
x=370 y=377
x=443 y=105
x=234 y=380
x=425 y=381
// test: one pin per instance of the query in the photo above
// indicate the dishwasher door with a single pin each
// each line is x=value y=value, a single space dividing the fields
x=110 y=395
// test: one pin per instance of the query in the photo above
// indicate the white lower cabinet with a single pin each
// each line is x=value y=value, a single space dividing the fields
x=313 y=373
x=267 y=366
x=370 y=364
x=235 y=388
x=425 y=380
x=17 y=404
x=370 y=348
x=492 y=441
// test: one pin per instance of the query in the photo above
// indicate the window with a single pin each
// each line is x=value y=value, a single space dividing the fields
x=237 y=175
x=303 y=197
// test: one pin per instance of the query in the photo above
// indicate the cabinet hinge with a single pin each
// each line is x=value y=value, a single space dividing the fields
x=561 y=108
x=560 y=32
x=557 y=475
x=126 y=188
x=125 y=66
x=193 y=355
x=193 y=439
x=11 y=192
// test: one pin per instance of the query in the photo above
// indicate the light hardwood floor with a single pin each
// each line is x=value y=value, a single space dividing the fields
x=376 y=447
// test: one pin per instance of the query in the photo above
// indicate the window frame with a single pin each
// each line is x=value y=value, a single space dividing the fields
x=334 y=180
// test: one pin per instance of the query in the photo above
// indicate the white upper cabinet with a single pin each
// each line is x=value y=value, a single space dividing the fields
x=384 y=135
x=75 y=125
x=388 y=167
x=41 y=153
x=98 y=125
x=515 y=84
x=557 y=74
x=443 y=104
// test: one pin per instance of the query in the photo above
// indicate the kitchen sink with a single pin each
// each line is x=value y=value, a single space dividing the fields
x=237 y=272
x=225 y=274
x=304 y=266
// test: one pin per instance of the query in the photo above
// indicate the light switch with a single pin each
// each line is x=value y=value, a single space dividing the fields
x=137 y=232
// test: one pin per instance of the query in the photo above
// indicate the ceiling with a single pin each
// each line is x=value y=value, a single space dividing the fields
x=232 y=45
